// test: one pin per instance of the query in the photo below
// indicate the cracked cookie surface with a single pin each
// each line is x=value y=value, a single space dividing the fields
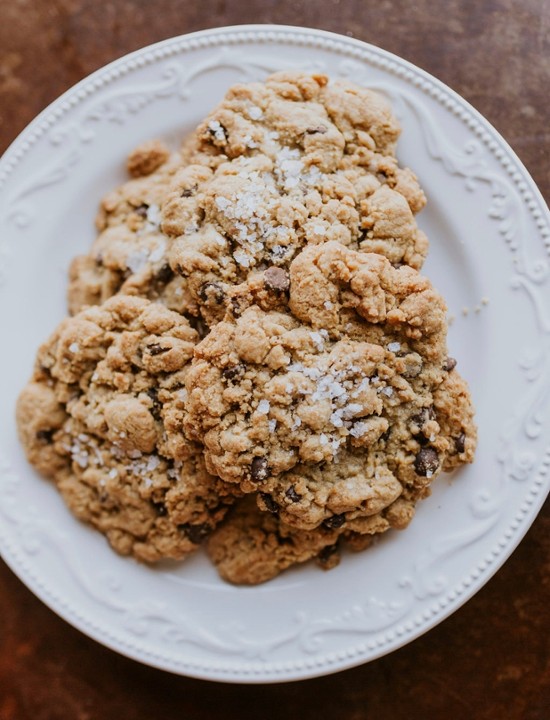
x=130 y=253
x=107 y=389
x=329 y=411
x=293 y=161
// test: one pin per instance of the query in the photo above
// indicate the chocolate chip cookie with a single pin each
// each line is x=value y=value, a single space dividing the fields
x=328 y=410
x=130 y=252
x=294 y=161
x=103 y=417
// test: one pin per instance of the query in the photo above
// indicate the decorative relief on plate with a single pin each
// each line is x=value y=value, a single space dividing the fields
x=150 y=618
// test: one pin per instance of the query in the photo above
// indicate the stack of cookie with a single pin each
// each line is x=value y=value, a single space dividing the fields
x=253 y=360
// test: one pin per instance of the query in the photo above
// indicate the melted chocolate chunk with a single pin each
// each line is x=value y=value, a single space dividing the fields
x=195 y=533
x=156 y=349
x=164 y=274
x=335 y=521
x=141 y=210
x=212 y=291
x=450 y=364
x=327 y=553
x=276 y=279
x=156 y=405
x=460 y=443
x=160 y=507
x=292 y=495
x=269 y=503
x=426 y=462
x=189 y=192
x=234 y=372
x=45 y=435
x=259 y=470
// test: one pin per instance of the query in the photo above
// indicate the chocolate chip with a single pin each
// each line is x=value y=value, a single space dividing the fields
x=212 y=290
x=141 y=210
x=160 y=507
x=426 y=462
x=327 y=553
x=189 y=192
x=164 y=274
x=156 y=349
x=449 y=364
x=460 y=443
x=259 y=470
x=45 y=435
x=156 y=405
x=385 y=435
x=269 y=503
x=195 y=533
x=335 y=521
x=234 y=372
x=423 y=416
x=235 y=307
x=292 y=495
x=314 y=130
x=276 y=279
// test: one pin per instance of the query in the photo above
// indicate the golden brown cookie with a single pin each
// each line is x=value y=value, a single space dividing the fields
x=103 y=416
x=294 y=161
x=330 y=410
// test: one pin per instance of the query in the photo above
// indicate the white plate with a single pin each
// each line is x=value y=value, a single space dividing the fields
x=490 y=241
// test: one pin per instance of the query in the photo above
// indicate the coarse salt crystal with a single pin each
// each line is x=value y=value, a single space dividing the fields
x=254 y=112
x=358 y=430
x=387 y=391
x=222 y=202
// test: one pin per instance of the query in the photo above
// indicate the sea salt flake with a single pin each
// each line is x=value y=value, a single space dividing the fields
x=387 y=391
x=272 y=424
x=137 y=260
x=152 y=463
x=216 y=128
x=328 y=305
x=323 y=439
x=336 y=418
x=358 y=430
x=242 y=258
x=351 y=410
x=113 y=473
x=222 y=202
x=158 y=251
x=254 y=112
x=394 y=347
x=263 y=407
x=74 y=347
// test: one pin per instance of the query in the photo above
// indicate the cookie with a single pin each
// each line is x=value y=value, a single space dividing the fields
x=294 y=161
x=328 y=410
x=130 y=252
x=103 y=417
x=250 y=546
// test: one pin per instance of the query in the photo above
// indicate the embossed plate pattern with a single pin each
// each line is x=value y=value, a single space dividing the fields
x=490 y=247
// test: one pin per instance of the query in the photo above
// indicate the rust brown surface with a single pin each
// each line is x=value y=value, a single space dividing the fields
x=491 y=659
